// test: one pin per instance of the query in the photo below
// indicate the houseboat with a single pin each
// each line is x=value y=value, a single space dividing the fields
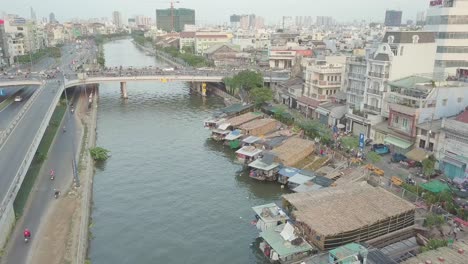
x=264 y=169
x=213 y=123
x=247 y=154
x=282 y=245
x=219 y=134
x=269 y=216
x=233 y=139
x=250 y=141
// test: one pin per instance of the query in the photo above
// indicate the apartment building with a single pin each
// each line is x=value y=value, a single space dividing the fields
x=449 y=20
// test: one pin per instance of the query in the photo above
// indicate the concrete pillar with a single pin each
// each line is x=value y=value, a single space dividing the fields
x=123 y=90
x=7 y=222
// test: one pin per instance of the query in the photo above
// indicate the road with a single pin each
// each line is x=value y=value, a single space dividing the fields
x=60 y=160
x=9 y=113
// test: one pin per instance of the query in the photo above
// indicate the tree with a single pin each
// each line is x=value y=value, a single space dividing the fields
x=246 y=80
x=373 y=157
x=350 y=142
x=428 y=166
x=99 y=154
x=261 y=95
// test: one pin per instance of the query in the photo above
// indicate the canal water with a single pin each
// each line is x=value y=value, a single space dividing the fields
x=168 y=194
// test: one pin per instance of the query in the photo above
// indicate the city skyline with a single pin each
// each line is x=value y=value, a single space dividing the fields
x=272 y=11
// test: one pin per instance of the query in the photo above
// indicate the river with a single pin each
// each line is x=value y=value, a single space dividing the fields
x=168 y=194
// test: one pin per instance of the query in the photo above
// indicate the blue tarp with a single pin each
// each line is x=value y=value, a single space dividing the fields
x=288 y=171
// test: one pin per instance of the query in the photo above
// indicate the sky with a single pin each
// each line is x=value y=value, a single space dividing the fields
x=218 y=11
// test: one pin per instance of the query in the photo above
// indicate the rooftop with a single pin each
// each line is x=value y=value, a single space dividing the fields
x=249 y=151
x=407 y=36
x=282 y=246
x=359 y=203
x=257 y=123
x=270 y=213
x=244 y=118
x=448 y=254
x=293 y=150
x=463 y=117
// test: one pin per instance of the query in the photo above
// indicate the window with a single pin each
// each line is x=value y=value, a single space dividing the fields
x=446 y=20
x=444 y=102
x=396 y=119
x=415 y=39
x=460 y=99
x=401 y=51
x=391 y=39
x=451 y=63
x=423 y=132
x=452 y=49
x=452 y=35
x=405 y=123
x=422 y=143
x=431 y=146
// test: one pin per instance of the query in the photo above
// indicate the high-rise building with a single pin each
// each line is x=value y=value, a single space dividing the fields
x=325 y=21
x=174 y=20
x=52 y=19
x=393 y=18
x=449 y=20
x=3 y=45
x=235 y=21
x=117 y=19
x=33 y=15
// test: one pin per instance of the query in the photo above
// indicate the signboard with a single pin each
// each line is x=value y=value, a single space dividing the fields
x=436 y=2
x=2 y=92
x=361 y=141
x=204 y=89
x=304 y=53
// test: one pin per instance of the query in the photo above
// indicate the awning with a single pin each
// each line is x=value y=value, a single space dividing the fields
x=251 y=139
x=322 y=111
x=403 y=144
x=288 y=171
x=417 y=154
x=299 y=179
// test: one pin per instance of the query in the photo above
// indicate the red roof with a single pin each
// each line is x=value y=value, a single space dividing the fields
x=308 y=101
x=211 y=36
x=463 y=117
x=187 y=34
x=2 y=22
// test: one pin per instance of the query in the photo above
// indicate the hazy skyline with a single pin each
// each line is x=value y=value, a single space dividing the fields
x=209 y=11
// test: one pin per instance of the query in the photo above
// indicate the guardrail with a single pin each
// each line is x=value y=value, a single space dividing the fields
x=18 y=179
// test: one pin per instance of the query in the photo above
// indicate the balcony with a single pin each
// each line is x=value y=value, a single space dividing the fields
x=376 y=92
x=328 y=69
x=404 y=109
x=372 y=108
x=357 y=76
x=325 y=84
x=378 y=75
x=355 y=91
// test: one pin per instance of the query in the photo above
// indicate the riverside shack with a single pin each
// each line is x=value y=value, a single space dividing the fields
x=234 y=122
x=332 y=217
x=293 y=150
x=259 y=127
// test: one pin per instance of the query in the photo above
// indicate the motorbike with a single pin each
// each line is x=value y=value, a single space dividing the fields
x=56 y=194
x=52 y=177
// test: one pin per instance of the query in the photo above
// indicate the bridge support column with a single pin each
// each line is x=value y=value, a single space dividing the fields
x=7 y=222
x=123 y=90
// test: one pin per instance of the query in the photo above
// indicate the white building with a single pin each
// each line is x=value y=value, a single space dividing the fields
x=449 y=19
x=323 y=80
x=401 y=53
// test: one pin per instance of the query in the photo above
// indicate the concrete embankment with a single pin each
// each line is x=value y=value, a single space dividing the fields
x=161 y=55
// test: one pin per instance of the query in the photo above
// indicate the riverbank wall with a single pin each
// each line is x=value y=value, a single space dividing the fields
x=86 y=184
x=163 y=56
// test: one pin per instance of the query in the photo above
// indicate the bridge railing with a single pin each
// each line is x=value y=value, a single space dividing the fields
x=18 y=179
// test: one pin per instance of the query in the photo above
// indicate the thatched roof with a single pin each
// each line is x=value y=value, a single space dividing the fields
x=244 y=118
x=335 y=210
x=257 y=123
x=294 y=150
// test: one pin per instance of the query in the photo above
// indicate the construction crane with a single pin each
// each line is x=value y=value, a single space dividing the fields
x=172 y=13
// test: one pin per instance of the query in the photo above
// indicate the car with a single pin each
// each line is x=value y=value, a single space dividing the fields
x=18 y=98
x=380 y=149
x=397 y=157
x=168 y=69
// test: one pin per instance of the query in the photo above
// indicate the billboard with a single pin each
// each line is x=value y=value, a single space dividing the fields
x=436 y=3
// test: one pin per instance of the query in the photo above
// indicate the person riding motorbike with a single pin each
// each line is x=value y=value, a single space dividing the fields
x=52 y=174
x=64 y=129
x=27 y=233
x=56 y=193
